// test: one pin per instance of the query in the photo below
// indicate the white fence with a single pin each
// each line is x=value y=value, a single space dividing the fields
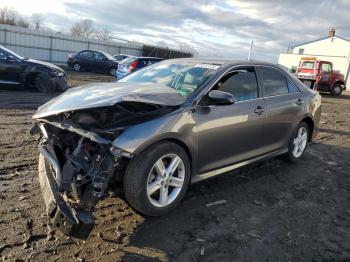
x=55 y=47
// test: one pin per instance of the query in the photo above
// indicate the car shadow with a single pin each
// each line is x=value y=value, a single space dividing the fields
x=261 y=201
x=335 y=132
x=343 y=96
x=18 y=99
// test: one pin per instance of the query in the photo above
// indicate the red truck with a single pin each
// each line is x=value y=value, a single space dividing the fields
x=321 y=75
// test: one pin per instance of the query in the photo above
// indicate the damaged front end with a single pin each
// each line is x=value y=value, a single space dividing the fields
x=78 y=164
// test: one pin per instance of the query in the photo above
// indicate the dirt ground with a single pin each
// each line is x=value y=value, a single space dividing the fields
x=274 y=211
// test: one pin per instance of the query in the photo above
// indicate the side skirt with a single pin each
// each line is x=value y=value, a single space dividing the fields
x=200 y=177
x=9 y=82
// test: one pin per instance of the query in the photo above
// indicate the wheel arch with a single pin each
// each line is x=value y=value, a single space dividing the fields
x=174 y=140
x=28 y=76
x=310 y=123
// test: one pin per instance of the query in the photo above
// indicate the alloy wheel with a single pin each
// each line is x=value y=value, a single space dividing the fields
x=337 y=89
x=299 y=142
x=166 y=180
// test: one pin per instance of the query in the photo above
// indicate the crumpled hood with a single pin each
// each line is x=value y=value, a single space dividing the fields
x=95 y=95
x=49 y=65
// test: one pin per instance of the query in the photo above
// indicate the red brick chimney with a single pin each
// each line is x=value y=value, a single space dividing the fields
x=331 y=32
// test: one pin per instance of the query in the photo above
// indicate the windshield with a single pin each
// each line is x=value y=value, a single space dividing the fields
x=185 y=77
x=12 y=53
x=109 y=56
x=310 y=65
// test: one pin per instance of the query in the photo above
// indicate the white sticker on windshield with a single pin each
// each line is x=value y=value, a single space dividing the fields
x=209 y=66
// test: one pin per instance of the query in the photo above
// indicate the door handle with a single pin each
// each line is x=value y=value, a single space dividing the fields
x=299 y=102
x=259 y=110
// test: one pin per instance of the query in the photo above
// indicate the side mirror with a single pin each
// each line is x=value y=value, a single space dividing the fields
x=217 y=97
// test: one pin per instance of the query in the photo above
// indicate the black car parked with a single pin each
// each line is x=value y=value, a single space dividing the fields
x=18 y=71
x=92 y=60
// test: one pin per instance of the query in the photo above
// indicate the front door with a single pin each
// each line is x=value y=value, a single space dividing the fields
x=326 y=73
x=229 y=134
x=10 y=69
x=100 y=63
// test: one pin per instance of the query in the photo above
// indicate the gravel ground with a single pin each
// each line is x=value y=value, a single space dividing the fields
x=273 y=211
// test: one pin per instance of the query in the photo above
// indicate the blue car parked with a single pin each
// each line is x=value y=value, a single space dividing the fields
x=132 y=64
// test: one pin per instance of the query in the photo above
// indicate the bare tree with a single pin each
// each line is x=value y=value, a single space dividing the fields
x=83 y=28
x=162 y=44
x=8 y=16
x=103 y=34
x=37 y=20
x=22 y=22
x=186 y=48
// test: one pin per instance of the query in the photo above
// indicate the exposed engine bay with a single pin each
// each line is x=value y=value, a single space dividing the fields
x=78 y=164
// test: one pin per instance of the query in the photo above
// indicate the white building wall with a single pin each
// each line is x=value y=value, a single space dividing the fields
x=333 y=46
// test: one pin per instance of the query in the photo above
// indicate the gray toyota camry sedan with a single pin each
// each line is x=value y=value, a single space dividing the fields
x=161 y=128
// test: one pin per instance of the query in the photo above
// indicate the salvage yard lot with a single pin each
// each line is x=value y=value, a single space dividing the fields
x=274 y=211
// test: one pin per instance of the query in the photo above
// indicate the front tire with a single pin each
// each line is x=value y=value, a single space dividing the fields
x=157 y=179
x=44 y=83
x=337 y=90
x=298 y=143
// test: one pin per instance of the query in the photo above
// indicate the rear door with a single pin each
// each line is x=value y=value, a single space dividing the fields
x=284 y=106
x=229 y=134
x=87 y=59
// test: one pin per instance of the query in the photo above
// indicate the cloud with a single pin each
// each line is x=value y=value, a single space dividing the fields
x=215 y=28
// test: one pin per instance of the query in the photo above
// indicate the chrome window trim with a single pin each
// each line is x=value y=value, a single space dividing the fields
x=286 y=76
x=217 y=80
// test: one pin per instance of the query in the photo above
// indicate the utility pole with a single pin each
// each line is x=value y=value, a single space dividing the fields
x=289 y=46
x=250 y=50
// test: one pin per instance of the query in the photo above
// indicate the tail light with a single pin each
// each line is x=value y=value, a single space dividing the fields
x=133 y=66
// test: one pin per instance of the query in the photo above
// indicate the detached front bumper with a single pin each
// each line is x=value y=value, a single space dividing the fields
x=71 y=222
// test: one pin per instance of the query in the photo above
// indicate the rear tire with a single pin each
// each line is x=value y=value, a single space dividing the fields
x=337 y=90
x=77 y=67
x=151 y=193
x=298 y=143
x=44 y=83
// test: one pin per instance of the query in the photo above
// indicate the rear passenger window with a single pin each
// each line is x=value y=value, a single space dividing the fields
x=242 y=84
x=86 y=54
x=273 y=82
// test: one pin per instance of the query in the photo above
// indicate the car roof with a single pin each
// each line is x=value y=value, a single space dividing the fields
x=149 y=57
x=221 y=62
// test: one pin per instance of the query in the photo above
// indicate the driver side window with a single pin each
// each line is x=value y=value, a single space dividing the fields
x=3 y=56
x=326 y=68
x=242 y=84
x=86 y=54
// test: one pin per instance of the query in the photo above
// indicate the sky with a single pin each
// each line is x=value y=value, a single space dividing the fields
x=214 y=28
